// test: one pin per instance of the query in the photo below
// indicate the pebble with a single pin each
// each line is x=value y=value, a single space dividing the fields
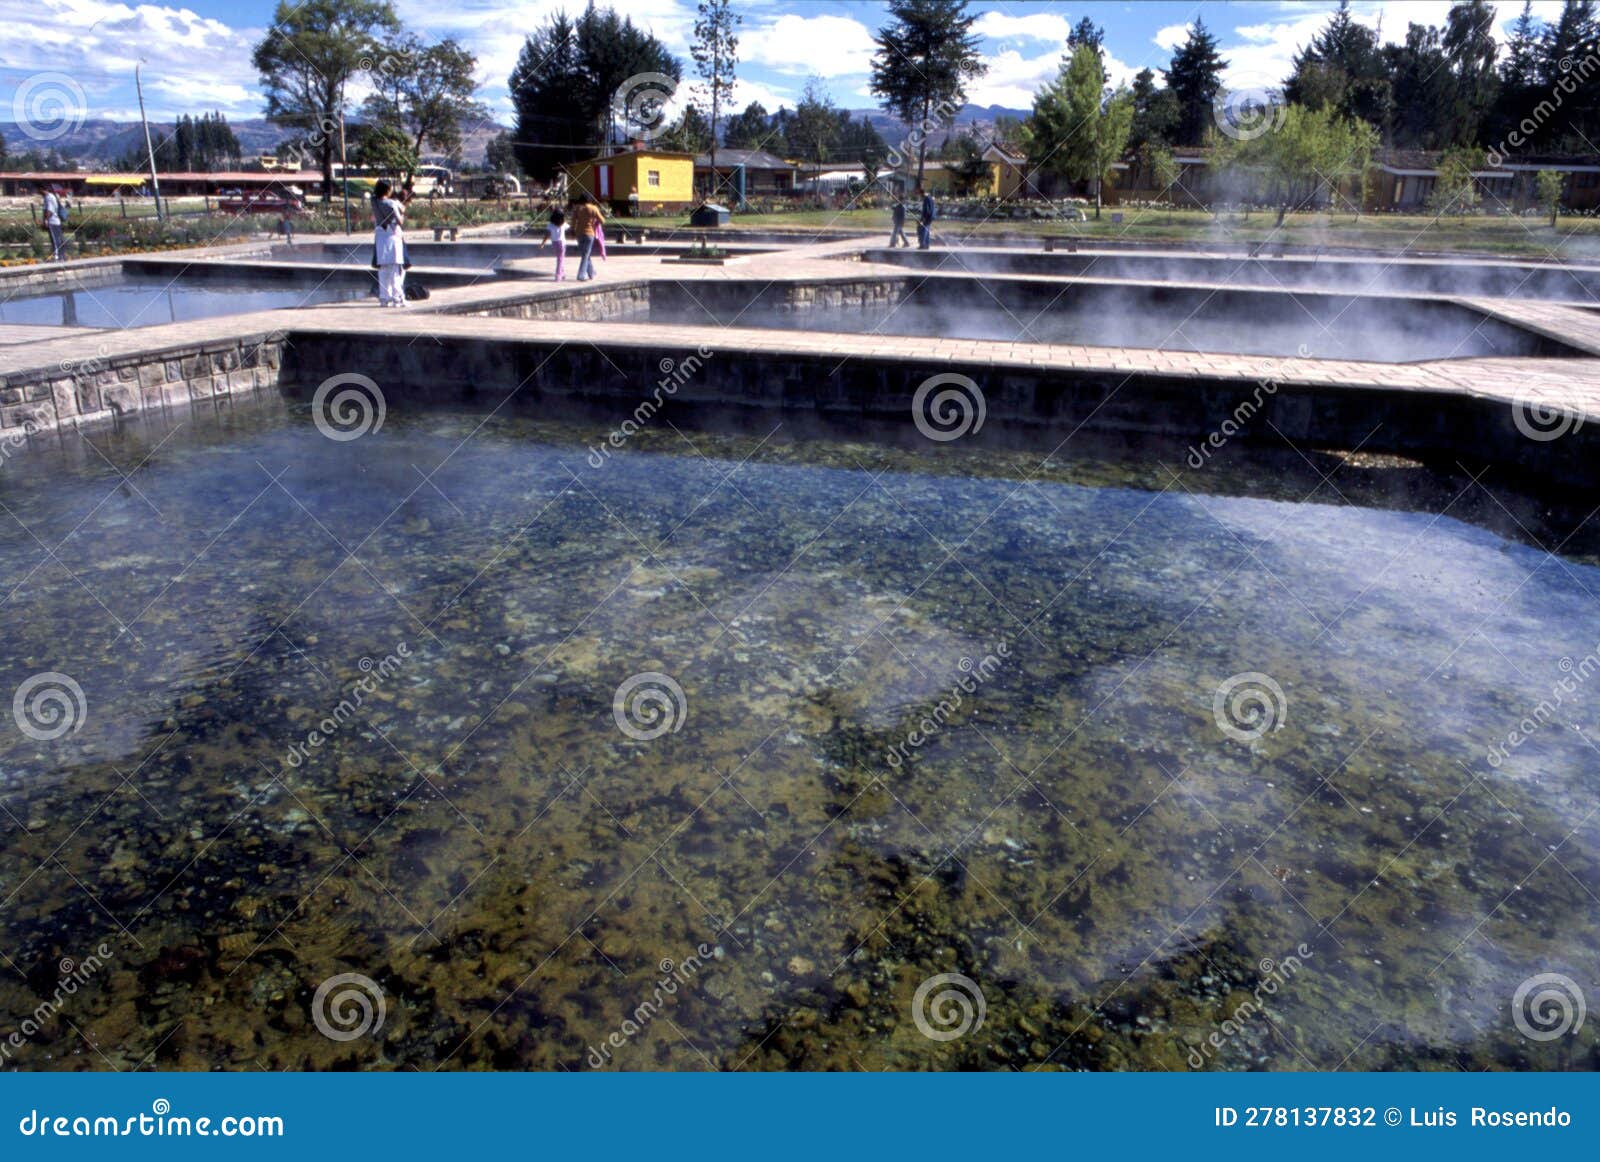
x=800 y=966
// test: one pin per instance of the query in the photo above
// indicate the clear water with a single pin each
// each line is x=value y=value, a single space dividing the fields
x=1078 y=838
x=138 y=302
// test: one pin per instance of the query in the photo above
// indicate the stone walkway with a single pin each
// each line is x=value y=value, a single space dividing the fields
x=1573 y=383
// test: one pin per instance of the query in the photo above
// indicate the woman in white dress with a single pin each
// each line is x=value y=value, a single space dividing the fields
x=389 y=246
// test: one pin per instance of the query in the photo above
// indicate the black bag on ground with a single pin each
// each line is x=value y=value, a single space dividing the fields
x=416 y=292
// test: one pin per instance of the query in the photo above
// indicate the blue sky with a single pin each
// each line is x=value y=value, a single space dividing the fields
x=197 y=55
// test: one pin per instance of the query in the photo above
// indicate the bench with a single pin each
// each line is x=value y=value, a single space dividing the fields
x=440 y=231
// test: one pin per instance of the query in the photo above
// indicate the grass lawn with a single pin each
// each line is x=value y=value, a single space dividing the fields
x=1574 y=238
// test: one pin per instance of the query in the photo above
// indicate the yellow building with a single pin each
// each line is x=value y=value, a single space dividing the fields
x=646 y=179
x=1006 y=177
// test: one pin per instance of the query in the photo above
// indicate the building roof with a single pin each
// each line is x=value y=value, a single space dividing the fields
x=749 y=158
x=640 y=151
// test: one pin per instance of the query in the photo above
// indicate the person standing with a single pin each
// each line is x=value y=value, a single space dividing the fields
x=555 y=233
x=389 y=246
x=897 y=236
x=55 y=222
x=925 y=221
x=586 y=217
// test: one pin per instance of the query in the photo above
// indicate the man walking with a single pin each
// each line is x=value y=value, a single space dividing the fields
x=54 y=222
x=898 y=235
x=925 y=221
x=586 y=218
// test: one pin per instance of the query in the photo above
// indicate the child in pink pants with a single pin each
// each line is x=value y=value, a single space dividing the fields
x=555 y=233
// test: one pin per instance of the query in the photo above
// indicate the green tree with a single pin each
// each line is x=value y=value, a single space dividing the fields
x=1075 y=130
x=565 y=87
x=1343 y=67
x=816 y=122
x=1516 y=93
x=926 y=55
x=500 y=155
x=1302 y=160
x=1423 y=90
x=307 y=57
x=716 y=56
x=1470 y=49
x=1155 y=112
x=1547 y=188
x=750 y=128
x=1454 y=190
x=384 y=148
x=427 y=90
x=1195 y=78
x=691 y=133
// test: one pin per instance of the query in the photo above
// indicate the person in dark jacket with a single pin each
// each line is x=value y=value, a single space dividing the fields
x=925 y=220
x=898 y=234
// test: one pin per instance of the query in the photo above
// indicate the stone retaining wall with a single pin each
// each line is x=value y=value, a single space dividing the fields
x=617 y=302
x=102 y=388
x=1447 y=427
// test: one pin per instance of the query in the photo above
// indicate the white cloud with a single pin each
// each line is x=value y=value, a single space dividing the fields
x=1171 y=36
x=1050 y=27
x=829 y=46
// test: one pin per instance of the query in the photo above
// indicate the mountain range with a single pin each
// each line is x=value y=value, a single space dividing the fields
x=98 y=144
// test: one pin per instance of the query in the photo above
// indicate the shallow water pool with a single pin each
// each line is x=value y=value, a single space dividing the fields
x=144 y=302
x=716 y=751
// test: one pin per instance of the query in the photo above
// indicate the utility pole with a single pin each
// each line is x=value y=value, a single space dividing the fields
x=155 y=180
x=344 y=163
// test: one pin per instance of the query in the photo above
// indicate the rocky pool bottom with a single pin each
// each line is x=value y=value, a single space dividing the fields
x=774 y=878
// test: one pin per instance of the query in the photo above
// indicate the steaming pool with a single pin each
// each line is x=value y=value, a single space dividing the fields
x=134 y=301
x=483 y=839
x=1154 y=315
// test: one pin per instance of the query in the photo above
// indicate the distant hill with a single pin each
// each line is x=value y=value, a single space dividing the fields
x=97 y=143
x=977 y=119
